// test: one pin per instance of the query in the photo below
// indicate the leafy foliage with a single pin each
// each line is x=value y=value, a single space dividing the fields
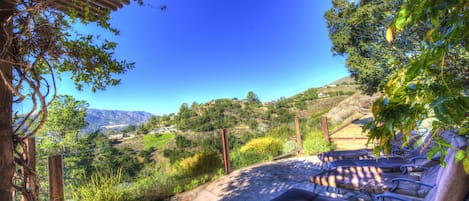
x=103 y=186
x=420 y=51
x=266 y=146
x=241 y=159
x=66 y=118
x=203 y=162
x=252 y=98
x=355 y=29
x=289 y=146
x=39 y=45
x=175 y=155
x=283 y=132
x=436 y=81
x=315 y=143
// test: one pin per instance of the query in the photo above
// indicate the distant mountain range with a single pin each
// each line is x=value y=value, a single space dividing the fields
x=114 y=119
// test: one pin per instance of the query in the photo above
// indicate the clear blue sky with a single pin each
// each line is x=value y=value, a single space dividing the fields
x=209 y=49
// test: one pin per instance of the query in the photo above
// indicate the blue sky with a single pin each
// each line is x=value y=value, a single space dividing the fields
x=209 y=49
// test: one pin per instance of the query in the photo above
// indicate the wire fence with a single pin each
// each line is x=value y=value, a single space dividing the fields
x=186 y=157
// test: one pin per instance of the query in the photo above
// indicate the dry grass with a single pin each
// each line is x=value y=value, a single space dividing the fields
x=343 y=88
x=320 y=106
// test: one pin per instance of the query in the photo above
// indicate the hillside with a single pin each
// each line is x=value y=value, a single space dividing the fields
x=193 y=149
x=349 y=108
x=348 y=80
x=114 y=119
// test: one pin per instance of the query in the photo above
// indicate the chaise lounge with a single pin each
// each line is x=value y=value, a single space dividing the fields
x=451 y=184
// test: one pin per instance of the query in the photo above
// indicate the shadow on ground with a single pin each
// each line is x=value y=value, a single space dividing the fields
x=266 y=181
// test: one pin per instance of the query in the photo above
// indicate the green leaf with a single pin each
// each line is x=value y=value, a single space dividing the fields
x=442 y=161
x=401 y=19
x=465 y=164
x=429 y=35
x=377 y=151
x=389 y=125
x=460 y=155
x=432 y=152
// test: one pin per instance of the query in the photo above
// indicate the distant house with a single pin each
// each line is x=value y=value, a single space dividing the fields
x=269 y=103
x=120 y=136
x=168 y=129
x=323 y=95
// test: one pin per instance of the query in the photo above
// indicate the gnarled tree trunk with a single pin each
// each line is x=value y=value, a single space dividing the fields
x=7 y=165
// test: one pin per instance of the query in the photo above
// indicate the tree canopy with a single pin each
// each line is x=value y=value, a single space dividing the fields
x=416 y=54
x=39 y=46
x=65 y=120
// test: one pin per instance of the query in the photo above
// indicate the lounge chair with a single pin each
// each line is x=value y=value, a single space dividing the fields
x=348 y=154
x=358 y=177
x=383 y=164
x=451 y=182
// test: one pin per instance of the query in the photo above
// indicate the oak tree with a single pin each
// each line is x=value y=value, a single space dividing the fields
x=416 y=54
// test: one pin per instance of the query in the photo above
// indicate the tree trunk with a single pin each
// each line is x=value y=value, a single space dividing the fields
x=7 y=165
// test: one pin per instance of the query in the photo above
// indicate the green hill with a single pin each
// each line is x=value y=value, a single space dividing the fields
x=180 y=145
x=251 y=113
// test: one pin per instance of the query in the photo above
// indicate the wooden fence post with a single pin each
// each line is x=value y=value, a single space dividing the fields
x=56 y=182
x=226 y=151
x=299 y=146
x=30 y=157
x=325 y=129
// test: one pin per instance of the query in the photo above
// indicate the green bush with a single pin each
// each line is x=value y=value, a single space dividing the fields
x=242 y=159
x=203 y=162
x=103 y=186
x=182 y=142
x=158 y=184
x=315 y=143
x=289 y=146
x=283 y=132
x=159 y=189
x=175 y=155
x=315 y=122
x=267 y=146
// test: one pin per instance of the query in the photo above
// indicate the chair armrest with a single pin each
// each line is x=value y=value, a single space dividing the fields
x=399 y=152
x=396 y=182
x=414 y=159
x=405 y=168
x=391 y=196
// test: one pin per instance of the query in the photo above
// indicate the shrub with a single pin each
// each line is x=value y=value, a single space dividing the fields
x=101 y=187
x=242 y=159
x=315 y=143
x=175 y=154
x=202 y=162
x=182 y=142
x=289 y=146
x=283 y=132
x=267 y=146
